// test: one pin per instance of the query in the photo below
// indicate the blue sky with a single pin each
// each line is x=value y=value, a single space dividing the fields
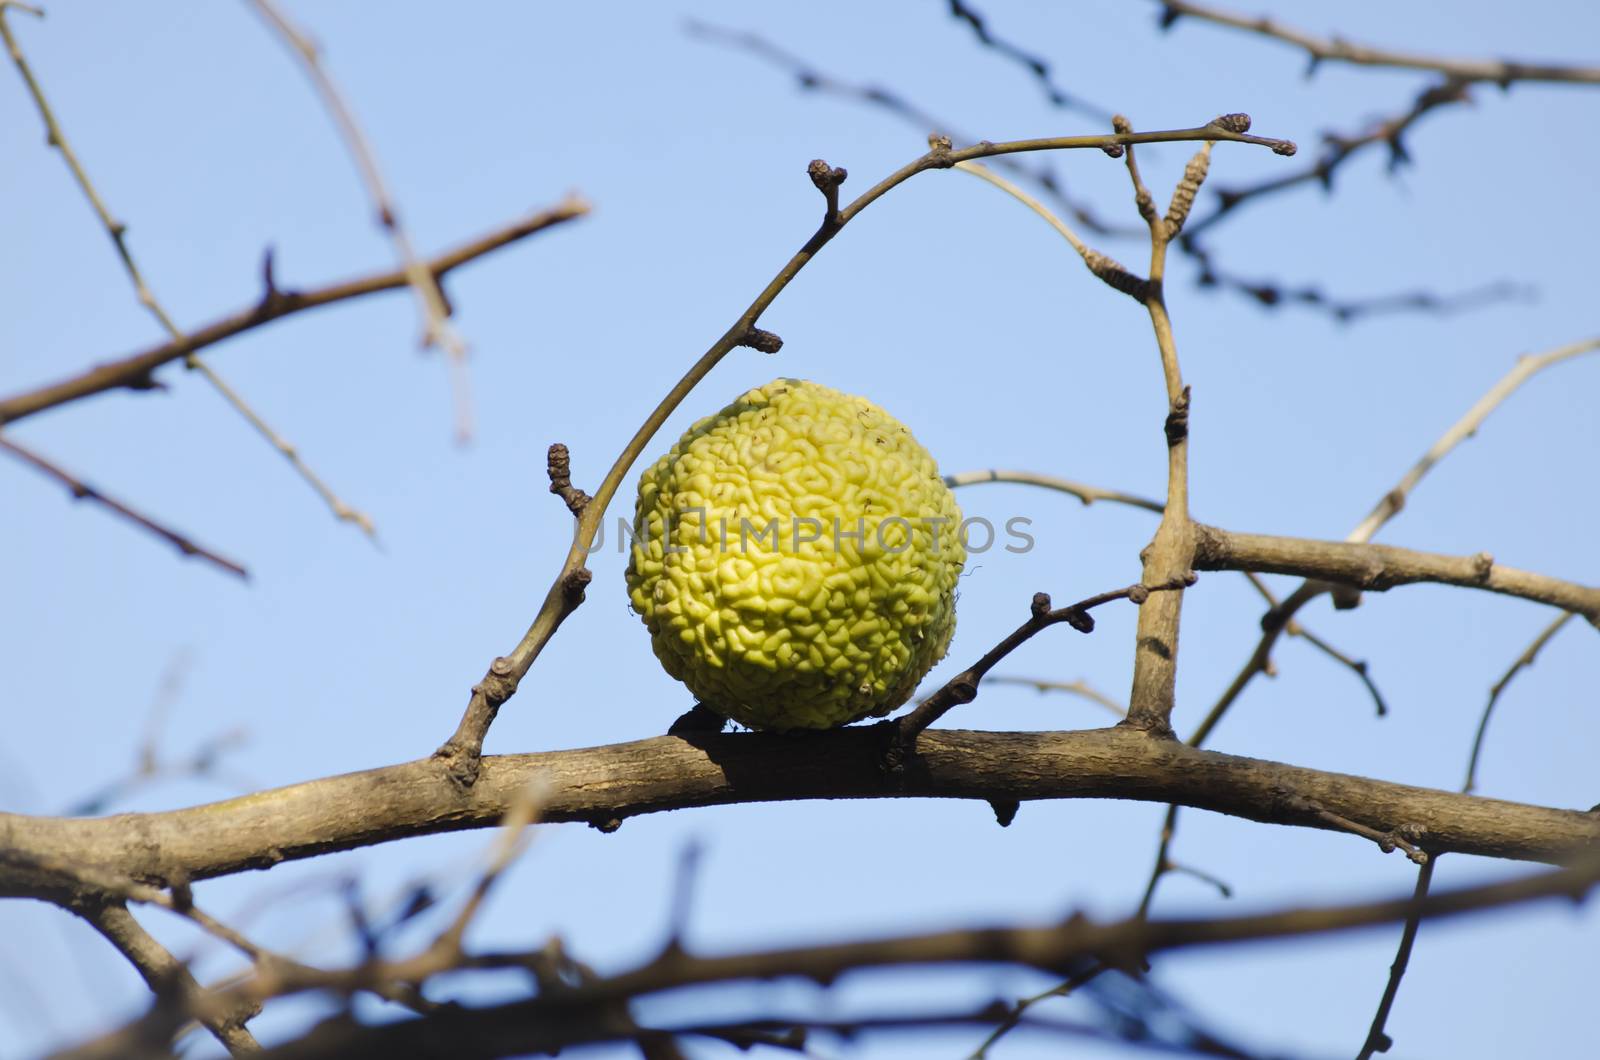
x=946 y=303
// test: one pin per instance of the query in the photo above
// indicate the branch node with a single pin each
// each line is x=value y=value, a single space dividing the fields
x=1234 y=123
x=939 y=150
x=1482 y=566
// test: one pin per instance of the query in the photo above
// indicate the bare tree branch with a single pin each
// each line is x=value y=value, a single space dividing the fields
x=175 y=989
x=118 y=231
x=1523 y=661
x=134 y=371
x=1035 y=65
x=81 y=490
x=1381 y=567
x=1502 y=72
x=437 y=330
x=607 y=785
x=563 y=1015
x=1077 y=688
x=1377 y=1041
x=1085 y=493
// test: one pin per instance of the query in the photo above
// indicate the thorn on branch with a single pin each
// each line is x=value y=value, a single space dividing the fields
x=271 y=296
x=760 y=340
x=1005 y=811
x=559 y=467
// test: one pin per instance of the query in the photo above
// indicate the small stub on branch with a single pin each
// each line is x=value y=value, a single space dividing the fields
x=559 y=467
x=762 y=340
x=827 y=179
x=1234 y=123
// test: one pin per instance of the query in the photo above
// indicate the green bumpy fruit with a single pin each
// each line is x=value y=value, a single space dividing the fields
x=795 y=559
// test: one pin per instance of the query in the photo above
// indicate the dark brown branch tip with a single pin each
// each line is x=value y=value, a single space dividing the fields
x=1286 y=148
x=1078 y=619
x=558 y=465
x=1040 y=606
x=1234 y=123
x=761 y=340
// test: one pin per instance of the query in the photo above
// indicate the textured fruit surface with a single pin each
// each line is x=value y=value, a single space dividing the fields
x=795 y=559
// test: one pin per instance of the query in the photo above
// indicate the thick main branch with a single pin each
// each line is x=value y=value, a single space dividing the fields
x=605 y=785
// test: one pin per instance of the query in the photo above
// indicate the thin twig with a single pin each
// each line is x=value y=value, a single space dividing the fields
x=1293 y=627
x=1338 y=149
x=436 y=327
x=1070 y=944
x=134 y=371
x=1085 y=493
x=167 y=976
x=118 y=232
x=81 y=490
x=963 y=687
x=1019 y=1010
x=1034 y=63
x=1105 y=268
x=1386 y=841
x=1523 y=661
x=1377 y=1041
x=811 y=79
x=1501 y=72
x=1466 y=427
x=1079 y=687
